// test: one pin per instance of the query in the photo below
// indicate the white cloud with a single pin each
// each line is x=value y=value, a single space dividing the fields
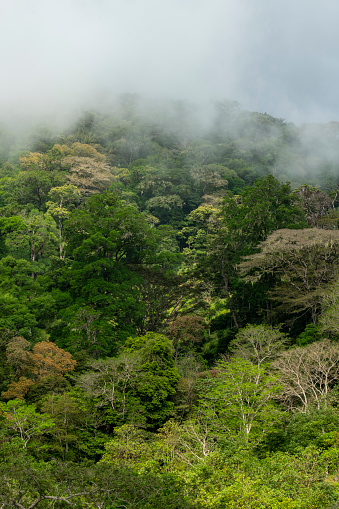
x=279 y=57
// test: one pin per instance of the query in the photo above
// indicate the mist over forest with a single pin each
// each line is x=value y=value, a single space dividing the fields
x=169 y=309
x=169 y=254
x=299 y=154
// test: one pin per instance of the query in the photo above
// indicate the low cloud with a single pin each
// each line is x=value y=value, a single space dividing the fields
x=279 y=57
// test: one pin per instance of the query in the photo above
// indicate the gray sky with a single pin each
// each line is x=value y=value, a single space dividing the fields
x=274 y=56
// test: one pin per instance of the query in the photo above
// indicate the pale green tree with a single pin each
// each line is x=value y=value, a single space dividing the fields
x=62 y=200
x=37 y=239
x=237 y=400
x=24 y=421
x=259 y=344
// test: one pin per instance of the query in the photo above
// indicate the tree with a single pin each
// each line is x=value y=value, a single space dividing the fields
x=18 y=354
x=303 y=262
x=187 y=333
x=26 y=483
x=329 y=321
x=307 y=374
x=31 y=188
x=110 y=381
x=25 y=308
x=128 y=446
x=87 y=168
x=69 y=414
x=173 y=446
x=61 y=200
x=314 y=202
x=210 y=255
x=46 y=360
x=210 y=177
x=262 y=208
x=259 y=344
x=89 y=175
x=237 y=398
x=162 y=293
x=190 y=367
x=22 y=420
x=80 y=166
x=107 y=228
x=157 y=378
x=9 y=225
x=108 y=240
x=137 y=386
x=192 y=442
x=19 y=389
x=89 y=331
x=39 y=173
x=37 y=239
x=222 y=234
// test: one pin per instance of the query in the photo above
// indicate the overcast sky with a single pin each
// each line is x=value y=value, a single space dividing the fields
x=274 y=56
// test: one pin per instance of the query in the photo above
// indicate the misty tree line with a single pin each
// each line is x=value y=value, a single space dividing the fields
x=169 y=324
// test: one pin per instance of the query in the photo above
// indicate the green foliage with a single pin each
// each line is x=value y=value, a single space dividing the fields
x=137 y=386
x=127 y=447
x=136 y=224
x=309 y=335
x=158 y=376
x=24 y=305
x=8 y=225
x=36 y=240
x=237 y=399
x=264 y=207
x=69 y=413
x=317 y=428
x=21 y=420
x=108 y=240
x=23 y=480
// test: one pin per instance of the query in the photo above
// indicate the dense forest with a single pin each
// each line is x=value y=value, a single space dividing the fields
x=169 y=319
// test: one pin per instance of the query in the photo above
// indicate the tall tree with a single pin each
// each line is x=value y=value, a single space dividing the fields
x=62 y=200
x=45 y=361
x=220 y=234
x=259 y=344
x=37 y=239
x=107 y=240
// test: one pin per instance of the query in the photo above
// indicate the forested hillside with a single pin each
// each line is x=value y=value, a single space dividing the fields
x=169 y=320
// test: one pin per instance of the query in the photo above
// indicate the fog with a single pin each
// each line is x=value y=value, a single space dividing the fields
x=275 y=56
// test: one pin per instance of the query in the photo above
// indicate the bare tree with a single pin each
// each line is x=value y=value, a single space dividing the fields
x=308 y=373
x=304 y=263
x=189 y=443
x=110 y=380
